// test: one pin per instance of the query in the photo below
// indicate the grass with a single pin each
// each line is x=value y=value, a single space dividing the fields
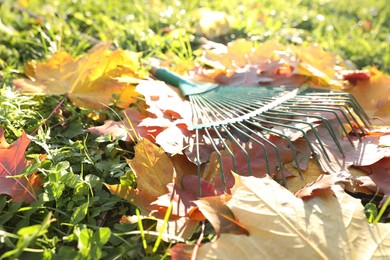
x=86 y=215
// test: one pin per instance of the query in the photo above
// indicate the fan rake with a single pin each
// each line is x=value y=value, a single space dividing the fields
x=229 y=115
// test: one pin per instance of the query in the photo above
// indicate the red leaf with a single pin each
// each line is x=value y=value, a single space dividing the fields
x=13 y=162
x=354 y=75
x=181 y=251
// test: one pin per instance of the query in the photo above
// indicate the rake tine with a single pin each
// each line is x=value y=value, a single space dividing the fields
x=241 y=148
x=284 y=137
x=219 y=160
x=198 y=162
x=329 y=126
x=303 y=133
x=258 y=142
x=280 y=166
x=333 y=111
x=227 y=148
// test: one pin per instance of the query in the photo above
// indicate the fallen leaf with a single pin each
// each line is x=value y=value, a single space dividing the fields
x=323 y=183
x=282 y=226
x=95 y=80
x=165 y=122
x=212 y=23
x=378 y=178
x=220 y=216
x=374 y=95
x=127 y=130
x=13 y=162
x=353 y=76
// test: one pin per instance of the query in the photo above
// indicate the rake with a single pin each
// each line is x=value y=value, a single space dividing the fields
x=238 y=114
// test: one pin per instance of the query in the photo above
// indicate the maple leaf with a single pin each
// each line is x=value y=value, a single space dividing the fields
x=378 y=178
x=157 y=176
x=95 y=80
x=165 y=123
x=270 y=63
x=332 y=226
x=374 y=95
x=222 y=164
x=13 y=162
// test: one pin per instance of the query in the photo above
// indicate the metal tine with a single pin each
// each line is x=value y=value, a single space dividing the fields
x=332 y=103
x=349 y=99
x=348 y=96
x=219 y=159
x=326 y=122
x=202 y=102
x=300 y=130
x=291 y=105
x=267 y=130
x=232 y=137
x=329 y=110
x=223 y=108
x=284 y=137
x=217 y=111
x=198 y=162
x=345 y=98
x=280 y=166
x=240 y=105
x=320 y=118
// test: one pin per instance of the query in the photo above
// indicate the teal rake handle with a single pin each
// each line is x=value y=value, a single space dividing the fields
x=170 y=77
x=186 y=86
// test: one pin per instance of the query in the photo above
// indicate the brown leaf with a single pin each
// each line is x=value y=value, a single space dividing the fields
x=95 y=80
x=13 y=162
x=220 y=216
x=322 y=184
x=378 y=178
x=282 y=226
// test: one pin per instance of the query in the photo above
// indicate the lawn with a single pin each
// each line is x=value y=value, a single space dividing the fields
x=75 y=214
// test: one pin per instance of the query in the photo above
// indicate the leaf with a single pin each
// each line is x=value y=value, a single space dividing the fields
x=153 y=169
x=273 y=64
x=165 y=124
x=220 y=216
x=378 y=178
x=361 y=153
x=127 y=130
x=282 y=226
x=94 y=80
x=374 y=95
x=13 y=162
x=212 y=23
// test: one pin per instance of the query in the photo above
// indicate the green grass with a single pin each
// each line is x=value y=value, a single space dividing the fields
x=86 y=215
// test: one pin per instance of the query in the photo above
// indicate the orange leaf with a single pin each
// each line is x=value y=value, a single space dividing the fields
x=374 y=95
x=95 y=80
x=13 y=162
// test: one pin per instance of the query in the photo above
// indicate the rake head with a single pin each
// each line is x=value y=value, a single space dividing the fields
x=242 y=116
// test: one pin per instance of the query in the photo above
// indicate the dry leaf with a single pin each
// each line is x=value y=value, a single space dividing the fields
x=212 y=23
x=13 y=162
x=282 y=226
x=95 y=80
x=374 y=95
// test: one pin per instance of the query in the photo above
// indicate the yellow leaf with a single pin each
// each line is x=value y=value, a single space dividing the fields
x=295 y=183
x=282 y=226
x=212 y=23
x=94 y=80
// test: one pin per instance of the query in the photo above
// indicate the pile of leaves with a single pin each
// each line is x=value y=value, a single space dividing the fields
x=149 y=154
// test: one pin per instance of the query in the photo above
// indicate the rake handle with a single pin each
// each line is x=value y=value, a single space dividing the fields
x=171 y=77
